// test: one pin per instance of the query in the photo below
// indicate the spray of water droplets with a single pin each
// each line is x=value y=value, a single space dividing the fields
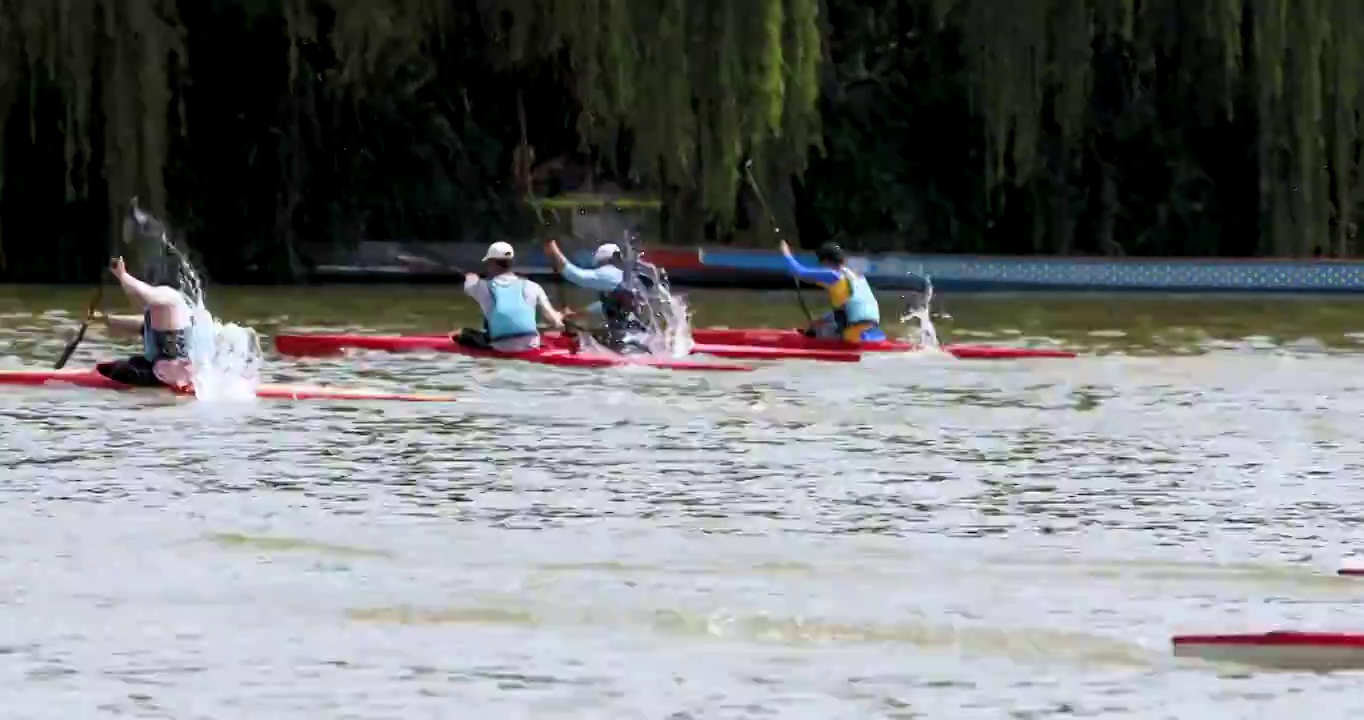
x=916 y=317
x=226 y=358
x=667 y=314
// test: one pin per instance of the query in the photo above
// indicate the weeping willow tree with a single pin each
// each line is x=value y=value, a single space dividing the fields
x=1295 y=67
x=701 y=86
x=112 y=63
x=1085 y=125
x=120 y=68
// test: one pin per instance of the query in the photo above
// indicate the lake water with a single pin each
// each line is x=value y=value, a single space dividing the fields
x=908 y=537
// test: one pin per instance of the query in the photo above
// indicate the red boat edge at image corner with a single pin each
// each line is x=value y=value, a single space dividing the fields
x=91 y=379
x=1279 y=649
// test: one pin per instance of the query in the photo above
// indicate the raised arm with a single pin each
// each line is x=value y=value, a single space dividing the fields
x=820 y=275
x=140 y=292
x=601 y=279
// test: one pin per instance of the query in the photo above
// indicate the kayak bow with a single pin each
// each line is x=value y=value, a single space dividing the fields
x=92 y=379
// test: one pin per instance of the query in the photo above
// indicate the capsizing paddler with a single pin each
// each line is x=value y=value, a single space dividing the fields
x=163 y=325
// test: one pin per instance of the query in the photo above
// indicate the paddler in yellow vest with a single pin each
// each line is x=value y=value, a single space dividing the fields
x=509 y=303
x=856 y=316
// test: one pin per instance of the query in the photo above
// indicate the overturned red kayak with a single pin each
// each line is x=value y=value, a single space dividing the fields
x=1287 y=650
x=324 y=345
x=92 y=379
x=795 y=339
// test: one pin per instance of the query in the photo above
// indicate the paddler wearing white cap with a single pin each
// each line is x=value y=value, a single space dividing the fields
x=509 y=303
x=618 y=299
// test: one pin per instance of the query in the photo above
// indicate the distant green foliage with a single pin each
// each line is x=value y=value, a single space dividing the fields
x=269 y=127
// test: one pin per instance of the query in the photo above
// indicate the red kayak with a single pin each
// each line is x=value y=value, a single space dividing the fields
x=1288 y=650
x=92 y=379
x=734 y=352
x=1351 y=572
x=795 y=339
x=324 y=345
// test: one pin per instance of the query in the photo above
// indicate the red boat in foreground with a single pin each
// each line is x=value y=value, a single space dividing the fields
x=795 y=339
x=1284 y=650
x=92 y=379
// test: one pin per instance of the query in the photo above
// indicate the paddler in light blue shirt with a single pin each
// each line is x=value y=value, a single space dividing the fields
x=509 y=303
x=856 y=316
x=618 y=297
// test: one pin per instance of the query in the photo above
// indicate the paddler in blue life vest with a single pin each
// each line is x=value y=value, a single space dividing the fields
x=856 y=316
x=163 y=325
x=619 y=301
x=509 y=303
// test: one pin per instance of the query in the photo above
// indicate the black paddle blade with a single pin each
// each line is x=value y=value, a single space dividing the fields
x=71 y=346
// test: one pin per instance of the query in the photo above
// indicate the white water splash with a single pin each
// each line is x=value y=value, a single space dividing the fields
x=917 y=310
x=669 y=315
x=225 y=358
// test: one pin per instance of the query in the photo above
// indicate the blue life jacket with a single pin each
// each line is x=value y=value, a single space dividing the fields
x=163 y=344
x=861 y=306
x=510 y=315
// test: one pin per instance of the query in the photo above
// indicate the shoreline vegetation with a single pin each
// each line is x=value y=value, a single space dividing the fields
x=269 y=129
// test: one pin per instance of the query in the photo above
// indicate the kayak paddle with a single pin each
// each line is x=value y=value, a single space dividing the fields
x=530 y=186
x=753 y=183
x=94 y=300
x=428 y=262
x=85 y=325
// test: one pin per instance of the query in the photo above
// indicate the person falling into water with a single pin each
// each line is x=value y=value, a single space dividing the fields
x=619 y=301
x=163 y=325
x=509 y=303
x=856 y=316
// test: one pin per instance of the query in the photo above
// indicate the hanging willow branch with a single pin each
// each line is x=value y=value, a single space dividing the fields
x=1303 y=66
x=703 y=85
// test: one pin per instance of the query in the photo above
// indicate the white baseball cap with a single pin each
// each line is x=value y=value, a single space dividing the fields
x=605 y=252
x=499 y=251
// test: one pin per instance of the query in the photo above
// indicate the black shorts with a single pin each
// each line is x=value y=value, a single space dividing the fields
x=135 y=371
x=472 y=338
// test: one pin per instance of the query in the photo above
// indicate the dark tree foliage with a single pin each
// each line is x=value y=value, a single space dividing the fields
x=268 y=128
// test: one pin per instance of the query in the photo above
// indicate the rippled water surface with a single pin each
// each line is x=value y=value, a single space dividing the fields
x=909 y=537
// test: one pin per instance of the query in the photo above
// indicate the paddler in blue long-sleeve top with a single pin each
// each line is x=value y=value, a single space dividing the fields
x=618 y=297
x=856 y=316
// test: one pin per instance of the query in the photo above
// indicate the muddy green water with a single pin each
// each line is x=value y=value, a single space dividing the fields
x=909 y=537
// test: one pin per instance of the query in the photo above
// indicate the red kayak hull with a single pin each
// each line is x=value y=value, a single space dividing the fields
x=1320 y=651
x=325 y=345
x=795 y=339
x=1351 y=572
x=734 y=352
x=92 y=379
